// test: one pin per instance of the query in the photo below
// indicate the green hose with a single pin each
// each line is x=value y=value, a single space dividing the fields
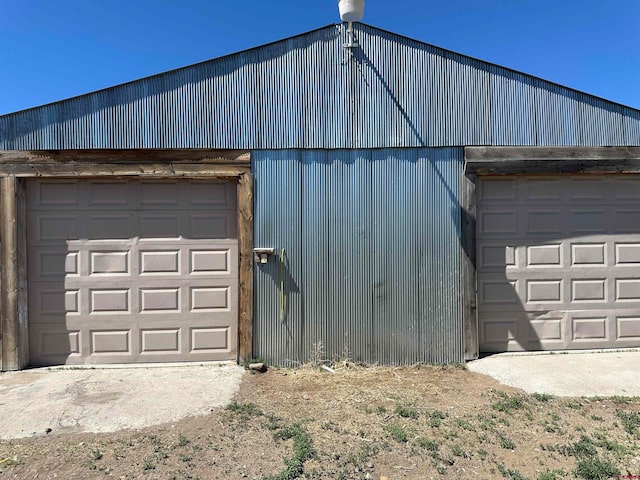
x=282 y=272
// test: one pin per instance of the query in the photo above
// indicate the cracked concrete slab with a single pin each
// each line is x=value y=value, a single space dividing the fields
x=65 y=400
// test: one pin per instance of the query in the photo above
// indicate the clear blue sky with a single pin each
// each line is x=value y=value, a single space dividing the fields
x=55 y=49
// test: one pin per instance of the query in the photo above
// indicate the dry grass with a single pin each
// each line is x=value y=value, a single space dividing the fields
x=360 y=423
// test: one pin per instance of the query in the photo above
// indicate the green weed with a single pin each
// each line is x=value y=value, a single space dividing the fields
x=595 y=469
x=574 y=404
x=436 y=417
x=630 y=422
x=182 y=441
x=397 y=432
x=407 y=412
x=148 y=465
x=427 y=444
x=507 y=443
x=459 y=452
x=245 y=410
x=464 y=424
x=542 y=397
x=510 y=474
x=302 y=451
x=551 y=475
x=508 y=404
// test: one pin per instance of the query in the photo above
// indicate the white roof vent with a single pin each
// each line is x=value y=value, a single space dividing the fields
x=351 y=10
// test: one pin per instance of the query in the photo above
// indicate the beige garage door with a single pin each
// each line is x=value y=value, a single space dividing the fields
x=558 y=262
x=131 y=271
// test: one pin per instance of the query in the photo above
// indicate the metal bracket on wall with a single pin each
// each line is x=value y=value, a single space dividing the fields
x=261 y=255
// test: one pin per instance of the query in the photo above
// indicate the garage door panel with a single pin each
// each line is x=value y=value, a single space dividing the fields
x=497 y=190
x=497 y=223
x=569 y=275
x=626 y=221
x=543 y=222
x=107 y=195
x=589 y=328
x=588 y=254
x=207 y=195
x=212 y=225
x=54 y=194
x=497 y=292
x=627 y=254
x=496 y=256
x=628 y=328
x=53 y=264
x=590 y=221
x=47 y=341
x=132 y=284
x=543 y=190
x=53 y=228
x=544 y=255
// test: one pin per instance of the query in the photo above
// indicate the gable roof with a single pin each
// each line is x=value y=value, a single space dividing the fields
x=306 y=92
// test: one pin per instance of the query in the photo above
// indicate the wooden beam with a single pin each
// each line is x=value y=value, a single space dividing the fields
x=468 y=245
x=126 y=156
x=13 y=278
x=550 y=160
x=245 y=239
x=122 y=170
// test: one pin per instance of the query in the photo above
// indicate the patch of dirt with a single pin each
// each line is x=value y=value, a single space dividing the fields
x=362 y=423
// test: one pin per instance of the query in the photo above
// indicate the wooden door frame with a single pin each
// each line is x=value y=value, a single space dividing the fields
x=233 y=166
x=487 y=161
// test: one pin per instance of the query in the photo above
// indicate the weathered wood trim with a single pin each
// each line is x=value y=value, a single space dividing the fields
x=549 y=160
x=245 y=239
x=122 y=170
x=468 y=245
x=125 y=156
x=13 y=277
x=23 y=298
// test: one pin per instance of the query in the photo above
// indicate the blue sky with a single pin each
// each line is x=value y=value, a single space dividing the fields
x=55 y=49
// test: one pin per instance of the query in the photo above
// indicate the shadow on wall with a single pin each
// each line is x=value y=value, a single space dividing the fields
x=525 y=334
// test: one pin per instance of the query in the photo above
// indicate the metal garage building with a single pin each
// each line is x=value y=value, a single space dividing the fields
x=129 y=216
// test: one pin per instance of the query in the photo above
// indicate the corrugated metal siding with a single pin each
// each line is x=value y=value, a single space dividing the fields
x=373 y=254
x=296 y=93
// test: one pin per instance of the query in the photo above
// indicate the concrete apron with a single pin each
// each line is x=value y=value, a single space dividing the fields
x=110 y=398
x=581 y=373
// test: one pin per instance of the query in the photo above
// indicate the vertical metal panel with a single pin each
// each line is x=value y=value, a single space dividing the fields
x=601 y=124
x=631 y=126
x=513 y=108
x=277 y=224
x=301 y=93
x=373 y=247
x=557 y=115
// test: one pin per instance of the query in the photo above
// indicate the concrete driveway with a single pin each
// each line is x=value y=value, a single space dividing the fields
x=567 y=374
x=63 y=400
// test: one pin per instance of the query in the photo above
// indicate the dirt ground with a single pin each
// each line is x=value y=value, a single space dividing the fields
x=378 y=423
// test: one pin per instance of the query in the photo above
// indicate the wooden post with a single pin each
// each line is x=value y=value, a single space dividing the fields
x=13 y=278
x=468 y=240
x=245 y=239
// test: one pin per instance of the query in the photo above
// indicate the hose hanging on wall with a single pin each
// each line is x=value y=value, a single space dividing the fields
x=282 y=273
